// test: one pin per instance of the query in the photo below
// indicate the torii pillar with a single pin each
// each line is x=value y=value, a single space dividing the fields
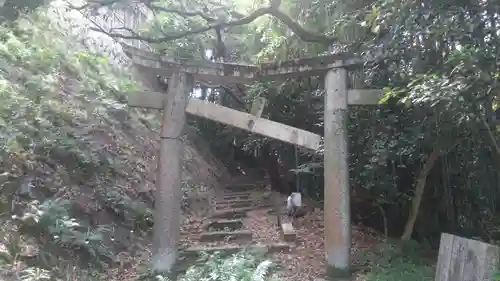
x=337 y=219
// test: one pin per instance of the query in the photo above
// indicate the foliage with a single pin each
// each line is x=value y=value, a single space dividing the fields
x=127 y=209
x=242 y=266
x=62 y=143
x=53 y=217
x=450 y=78
x=401 y=270
x=392 y=263
x=12 y=9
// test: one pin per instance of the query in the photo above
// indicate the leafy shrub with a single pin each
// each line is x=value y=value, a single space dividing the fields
x=242 y=266
x=394 y=263
x=11 y=250
x=37 y=68
x=123 y=206
x=53 y=217
x=52 y=91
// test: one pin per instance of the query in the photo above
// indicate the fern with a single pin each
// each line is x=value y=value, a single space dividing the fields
x=239 y=267
x=262 y=270
x=243 y=266
x=54 y=218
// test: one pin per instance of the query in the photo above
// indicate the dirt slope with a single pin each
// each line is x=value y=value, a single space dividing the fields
x=77 y=166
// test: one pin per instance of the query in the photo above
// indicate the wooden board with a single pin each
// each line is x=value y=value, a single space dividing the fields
x=233 y=118
x=462 y=259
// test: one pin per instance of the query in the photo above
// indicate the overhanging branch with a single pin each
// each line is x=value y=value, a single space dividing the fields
x=180 y=12
x=212 y=23
x=174 y=36
x=92 y=4
x=302 y=33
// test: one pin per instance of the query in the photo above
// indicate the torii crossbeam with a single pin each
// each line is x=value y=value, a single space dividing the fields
x=230 y=73
x=175 y=104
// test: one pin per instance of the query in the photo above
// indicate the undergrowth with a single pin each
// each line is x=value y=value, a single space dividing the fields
x=401 y=270
x=58 y=104
x=242 y=266
x=394 y=264
x=73 y=161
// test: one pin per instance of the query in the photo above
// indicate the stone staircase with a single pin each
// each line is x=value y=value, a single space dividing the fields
x=228 y=229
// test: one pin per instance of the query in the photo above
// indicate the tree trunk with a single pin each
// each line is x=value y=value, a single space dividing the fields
x=491 y=136
x=204 y=92
x=419 y=192
x=272 y=167
x=166 y=231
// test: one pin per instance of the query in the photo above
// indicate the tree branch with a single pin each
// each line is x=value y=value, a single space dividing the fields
x=180 y=12
x=246 y=20
x=491 y=136
x=233 y=95
x=302 y=33
x=92 y=4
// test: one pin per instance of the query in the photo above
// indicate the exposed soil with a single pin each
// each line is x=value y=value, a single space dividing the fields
x=307 y=260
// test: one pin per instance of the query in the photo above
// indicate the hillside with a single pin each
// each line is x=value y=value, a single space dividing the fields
x=77 y=166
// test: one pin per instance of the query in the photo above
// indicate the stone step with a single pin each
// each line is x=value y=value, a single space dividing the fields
x=247 y=180
x=231 y=249
x=229 y=196
x=288 y=233
x=220 y=208
x=244 y=187
x=232 y=213
x=223 y=224
x=233 y=205
x=226 y=235
x=240 y=193
x=237 y=201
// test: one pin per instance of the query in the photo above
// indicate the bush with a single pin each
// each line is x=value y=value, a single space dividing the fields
x=53 y=217
x=243 y=266
x=53 y=91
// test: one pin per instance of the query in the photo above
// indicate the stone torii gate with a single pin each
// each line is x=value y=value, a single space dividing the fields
x=175 y=103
